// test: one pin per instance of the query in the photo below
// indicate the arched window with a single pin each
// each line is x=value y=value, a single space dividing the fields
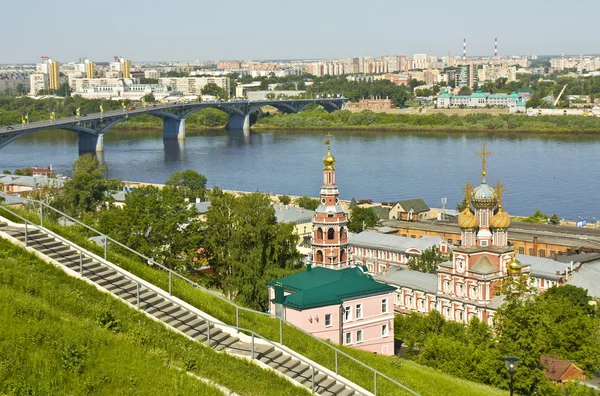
x=319 y=256
x=319 y=233
x=343 y=233
x=344 y=256
x=330 y=233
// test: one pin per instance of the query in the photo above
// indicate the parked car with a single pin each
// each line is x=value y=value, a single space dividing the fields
x=131 y=108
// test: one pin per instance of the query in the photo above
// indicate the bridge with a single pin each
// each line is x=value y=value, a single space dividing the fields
x=91 y=128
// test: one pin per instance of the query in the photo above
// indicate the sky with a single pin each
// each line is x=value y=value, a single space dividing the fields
x=67 y=30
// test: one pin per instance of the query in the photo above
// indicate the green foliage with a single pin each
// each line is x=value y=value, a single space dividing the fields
x=355 y=91
x=50 y=343
x=307 y=203
x=149 y=98
x=424 y=380
x=428 y=260
x=157 y=223
x=554 y=219
x=86 y=189
x=285 y=199
x=558 y=322
x=214 y=90
x=247 y=247
x=189 y=183
x=361 y=218
x=537 y=217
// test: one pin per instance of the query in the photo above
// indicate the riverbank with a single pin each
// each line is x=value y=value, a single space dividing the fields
x=486 y=123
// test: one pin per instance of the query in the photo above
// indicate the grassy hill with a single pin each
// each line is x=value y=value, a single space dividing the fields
x=59 y=335
x=424 y=380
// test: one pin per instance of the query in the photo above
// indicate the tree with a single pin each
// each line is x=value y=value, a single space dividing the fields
x=554 y=219
x=156 y=223
x=428 y=260
x=214 y=90
x=465 y=90
x=285 y=199
x=87 y=188
x=149 y=98
x=189 y=183
x=307 y=203
x=361 y=218
x=6 y=172
x=247 y=247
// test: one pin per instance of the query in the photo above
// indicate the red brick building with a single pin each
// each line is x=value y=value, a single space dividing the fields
x=330 y=246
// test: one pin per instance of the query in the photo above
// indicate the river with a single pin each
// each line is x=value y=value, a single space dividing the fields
x=555 y=173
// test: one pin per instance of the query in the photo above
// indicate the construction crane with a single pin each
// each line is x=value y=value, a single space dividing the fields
x=559 y=95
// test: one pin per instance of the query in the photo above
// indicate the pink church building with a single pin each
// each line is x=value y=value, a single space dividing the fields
x=333 y=300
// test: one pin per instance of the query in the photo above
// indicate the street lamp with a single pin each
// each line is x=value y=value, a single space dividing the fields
x=511 y=365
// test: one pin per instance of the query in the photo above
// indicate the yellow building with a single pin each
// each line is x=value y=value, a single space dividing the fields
x=54 y=75
x=126 y=68
x=90 y=69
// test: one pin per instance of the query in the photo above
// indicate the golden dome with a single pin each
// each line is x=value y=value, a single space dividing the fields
x=513 y=267
x=501 y=220
x=329 y=160
x=467 y=220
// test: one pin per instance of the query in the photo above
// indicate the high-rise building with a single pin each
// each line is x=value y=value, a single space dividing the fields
x=126 y=69
x=47 y=76
x=54 y=74
x=90 y=69
x=330 y=231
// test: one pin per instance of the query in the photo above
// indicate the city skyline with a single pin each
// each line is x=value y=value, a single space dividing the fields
x=312 y=30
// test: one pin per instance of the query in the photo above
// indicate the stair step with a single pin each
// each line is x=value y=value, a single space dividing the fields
x=109 y=279
x=166 y=311
x=280 y=361
x=326 y=382
x=344 y=392
x=161 y=304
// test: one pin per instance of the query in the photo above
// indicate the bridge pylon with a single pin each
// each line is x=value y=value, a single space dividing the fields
x=89 y=143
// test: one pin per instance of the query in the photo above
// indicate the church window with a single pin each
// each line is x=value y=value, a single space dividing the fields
x=330 y=233
x=542 y=253
x=521 y=250
x=460 y=316
x=531 y=252
x=319 y=233
x=319 y=256
x=446 y=285
x=460 y=290
x=484 y=243
x=421 y=304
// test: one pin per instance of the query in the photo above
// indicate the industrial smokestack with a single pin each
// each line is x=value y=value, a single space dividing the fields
x=464 y=50
x=495 y=47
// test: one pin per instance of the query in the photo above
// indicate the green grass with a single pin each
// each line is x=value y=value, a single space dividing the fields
x=59 y=335
x=421 y=379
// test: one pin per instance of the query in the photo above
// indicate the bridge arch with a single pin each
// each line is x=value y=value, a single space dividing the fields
x=282 y=107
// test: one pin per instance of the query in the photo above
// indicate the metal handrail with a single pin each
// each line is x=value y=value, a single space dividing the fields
x=161 y=292
x=237 y=307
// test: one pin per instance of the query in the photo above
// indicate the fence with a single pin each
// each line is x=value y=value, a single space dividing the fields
x=106 y=239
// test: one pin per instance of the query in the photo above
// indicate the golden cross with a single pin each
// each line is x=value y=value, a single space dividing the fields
x=467 y=190
x=327 y=142
x=484 y=154
x=499 y=191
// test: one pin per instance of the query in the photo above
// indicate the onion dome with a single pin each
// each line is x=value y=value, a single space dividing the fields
x=501 y=220
x=484 y=196
x=513 y=267
x=467 y=220
x=329 y=160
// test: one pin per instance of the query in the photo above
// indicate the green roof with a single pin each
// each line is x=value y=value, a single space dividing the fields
x=446 y=95
x=417 y=205
x=318 y=287
x=479 y=94
x=381 y=212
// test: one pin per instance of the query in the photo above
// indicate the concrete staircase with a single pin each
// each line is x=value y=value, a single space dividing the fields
x=177 y=316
